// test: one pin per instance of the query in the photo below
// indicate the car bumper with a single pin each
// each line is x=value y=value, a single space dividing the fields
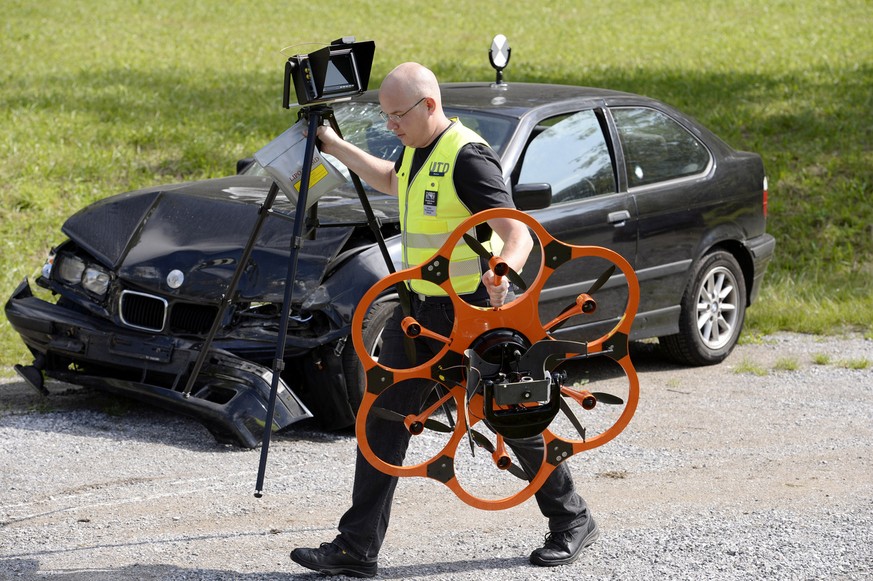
x=761 y=249
x=230 y=395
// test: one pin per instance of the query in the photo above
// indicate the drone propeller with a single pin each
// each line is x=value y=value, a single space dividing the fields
x=416 y=426
x=584 y=302
x=497 y=265
x=589 y=399
x=503 y=461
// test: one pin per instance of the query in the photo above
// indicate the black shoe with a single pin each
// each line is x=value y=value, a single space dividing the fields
x=331 y=559
x=564 y=547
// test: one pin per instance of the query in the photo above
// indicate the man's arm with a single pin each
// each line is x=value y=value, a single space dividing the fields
x=482 y=187
x=517 y=244
x=377 y=172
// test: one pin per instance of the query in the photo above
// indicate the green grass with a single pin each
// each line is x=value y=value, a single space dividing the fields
x=102 y=97
x=750 y=368
x=856 y=364
x=786 y=364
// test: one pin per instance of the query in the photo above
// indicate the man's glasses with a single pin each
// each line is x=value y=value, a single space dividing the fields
x=397 y=117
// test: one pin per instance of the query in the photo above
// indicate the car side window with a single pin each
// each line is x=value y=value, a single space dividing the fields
x=570 y=153
x=656 y=148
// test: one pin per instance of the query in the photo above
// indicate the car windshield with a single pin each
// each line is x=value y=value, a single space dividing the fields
x=362 y=125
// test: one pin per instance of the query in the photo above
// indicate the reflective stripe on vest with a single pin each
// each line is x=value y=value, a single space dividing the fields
x=430 y=210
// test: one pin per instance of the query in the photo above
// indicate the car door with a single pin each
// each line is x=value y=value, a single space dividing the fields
x=571 y=153
x=668 y=173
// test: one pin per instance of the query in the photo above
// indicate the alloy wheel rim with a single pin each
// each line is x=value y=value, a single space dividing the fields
x=717 y=308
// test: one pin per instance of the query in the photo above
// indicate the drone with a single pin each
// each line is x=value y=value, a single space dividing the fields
x=499 y=374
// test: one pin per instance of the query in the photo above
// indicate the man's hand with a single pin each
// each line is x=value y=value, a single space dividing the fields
x=328 y=139
x=517 y=244
x=377 y=172
x=496 y=292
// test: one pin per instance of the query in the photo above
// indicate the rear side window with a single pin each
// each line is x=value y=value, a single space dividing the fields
x=569 y=152
x=656 y=148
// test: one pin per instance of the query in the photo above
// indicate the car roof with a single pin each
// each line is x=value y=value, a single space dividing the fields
x=513 y=99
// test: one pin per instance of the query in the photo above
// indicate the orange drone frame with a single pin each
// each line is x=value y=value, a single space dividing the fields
x=512 y=407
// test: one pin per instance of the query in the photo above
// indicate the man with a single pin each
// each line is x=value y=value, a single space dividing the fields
x=412 y=106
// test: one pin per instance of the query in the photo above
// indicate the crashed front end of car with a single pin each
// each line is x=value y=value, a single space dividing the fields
x=125 y=303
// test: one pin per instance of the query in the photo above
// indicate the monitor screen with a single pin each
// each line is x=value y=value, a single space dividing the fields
x=341 y=75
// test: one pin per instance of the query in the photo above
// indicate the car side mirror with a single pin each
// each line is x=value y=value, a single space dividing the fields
x=243 y=164
x=532 y=196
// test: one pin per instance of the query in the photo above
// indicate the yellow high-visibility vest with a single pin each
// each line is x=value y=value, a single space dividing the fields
x=430 y=210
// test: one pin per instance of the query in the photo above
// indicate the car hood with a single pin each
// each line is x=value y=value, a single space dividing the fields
x=200 y=229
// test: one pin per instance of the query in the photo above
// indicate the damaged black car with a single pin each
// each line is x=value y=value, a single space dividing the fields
x=125 y=302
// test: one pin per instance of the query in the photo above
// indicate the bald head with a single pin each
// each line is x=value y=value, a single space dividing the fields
x=412 y=90
x=411 y=80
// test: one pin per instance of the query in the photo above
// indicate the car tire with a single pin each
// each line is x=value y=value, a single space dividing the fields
x=713 y=310
x=374 y=323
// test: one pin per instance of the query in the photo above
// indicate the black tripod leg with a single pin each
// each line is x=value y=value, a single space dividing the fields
x=296 y=243
x=227 y=297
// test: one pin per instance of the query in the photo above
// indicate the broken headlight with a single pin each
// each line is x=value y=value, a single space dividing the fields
x=95 y=280
x=72 y=270
x=69 y=268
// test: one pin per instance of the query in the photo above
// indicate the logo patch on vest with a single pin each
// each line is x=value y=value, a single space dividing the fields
x=430 y=203
x=439 y=168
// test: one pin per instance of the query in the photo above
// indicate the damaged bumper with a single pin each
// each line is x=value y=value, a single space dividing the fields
x=230 y=396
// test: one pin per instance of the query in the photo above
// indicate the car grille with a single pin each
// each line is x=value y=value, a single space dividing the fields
x=142 y=311
x=152 y=313
x=192 y=318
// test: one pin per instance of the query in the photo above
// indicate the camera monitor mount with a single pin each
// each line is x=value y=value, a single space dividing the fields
x=338 y=71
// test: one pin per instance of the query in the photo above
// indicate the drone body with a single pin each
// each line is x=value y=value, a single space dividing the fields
x=500 y=367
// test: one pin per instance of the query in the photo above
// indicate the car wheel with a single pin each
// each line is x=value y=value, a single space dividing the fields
x=713 y=311
x=374 y=323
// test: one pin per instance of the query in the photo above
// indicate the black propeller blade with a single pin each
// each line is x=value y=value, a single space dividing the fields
x=406 y=307
x=477 y=247
x=568 y=411
x=607 y=398
x=430 y=423
x=601 y=280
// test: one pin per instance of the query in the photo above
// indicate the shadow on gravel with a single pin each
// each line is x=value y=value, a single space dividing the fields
x=30 y=569
x=89 y=412
x=467 y=567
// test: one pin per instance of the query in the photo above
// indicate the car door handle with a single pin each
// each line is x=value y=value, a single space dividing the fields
x=618 y=218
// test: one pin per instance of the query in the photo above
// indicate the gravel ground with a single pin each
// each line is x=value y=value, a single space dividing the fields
x=760 y=467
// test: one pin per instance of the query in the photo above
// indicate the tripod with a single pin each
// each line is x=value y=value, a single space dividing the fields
x=315 y=115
